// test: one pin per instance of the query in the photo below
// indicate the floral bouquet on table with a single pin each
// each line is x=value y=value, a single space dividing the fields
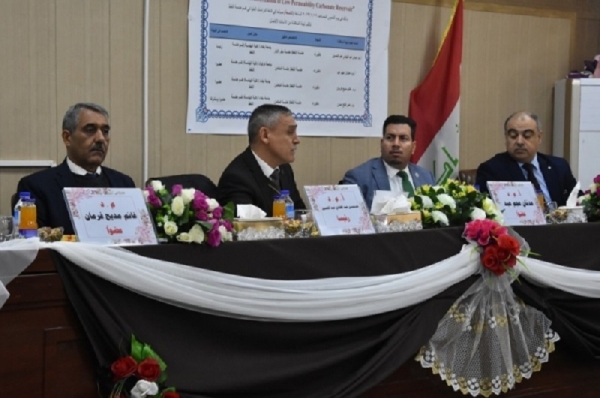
x=140 y=374
x=188 y=215
x=591 y=201
x=498 y=249
x=453 y=204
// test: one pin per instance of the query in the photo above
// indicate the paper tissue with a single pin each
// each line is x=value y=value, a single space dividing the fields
x=252 y=224
x=571 y=212
x=391 y=213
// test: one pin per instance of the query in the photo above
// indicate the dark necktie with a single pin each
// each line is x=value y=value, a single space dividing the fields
x=406 y=185
x=275 y=178
x=91 y=176
x=531 y=177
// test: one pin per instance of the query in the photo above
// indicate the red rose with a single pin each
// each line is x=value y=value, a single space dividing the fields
x=511 y=261
x=148 y=369
x=509 y=244
x=170 y=394
x=491 y=260
x=123 y=367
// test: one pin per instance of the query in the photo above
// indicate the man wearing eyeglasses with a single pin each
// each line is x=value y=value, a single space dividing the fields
x=551 y=176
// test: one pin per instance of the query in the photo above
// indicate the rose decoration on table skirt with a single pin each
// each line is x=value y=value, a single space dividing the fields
x=490 y=340
x=188 y=215
x=591 y=201
x=140 y=374
x=453 y=204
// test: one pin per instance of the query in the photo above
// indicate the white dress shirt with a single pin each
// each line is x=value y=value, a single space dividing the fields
x=395 y=179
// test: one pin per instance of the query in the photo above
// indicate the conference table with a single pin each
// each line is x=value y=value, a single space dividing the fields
x=62 y=326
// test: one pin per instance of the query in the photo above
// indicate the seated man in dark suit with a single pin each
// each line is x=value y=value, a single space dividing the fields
x=550 y=175
x=263 y=170
x=393 y=170
x=86 y=134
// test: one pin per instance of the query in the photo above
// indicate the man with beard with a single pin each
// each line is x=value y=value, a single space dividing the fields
x=86 y=134
x=263 y=169
x=550 y=175
x=393 y=170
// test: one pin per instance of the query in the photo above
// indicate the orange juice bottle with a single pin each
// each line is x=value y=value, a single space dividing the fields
x=278 y=206
x=28 y=227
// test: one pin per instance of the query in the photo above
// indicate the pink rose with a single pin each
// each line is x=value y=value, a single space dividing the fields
x=176 y=189
x=214 y=236
x=218 y=212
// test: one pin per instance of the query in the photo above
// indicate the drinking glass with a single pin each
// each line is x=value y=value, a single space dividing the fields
x=301 y=226
x=6 y=228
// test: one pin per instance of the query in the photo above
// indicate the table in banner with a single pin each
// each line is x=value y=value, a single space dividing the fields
x=61 y=321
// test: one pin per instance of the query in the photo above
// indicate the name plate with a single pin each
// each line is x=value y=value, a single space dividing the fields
x=339 y=210
x=110 y=215
x=518 y=202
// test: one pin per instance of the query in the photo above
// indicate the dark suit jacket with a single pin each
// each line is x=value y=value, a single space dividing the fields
x=556 y=171
x=243 y=182
x=46 y=187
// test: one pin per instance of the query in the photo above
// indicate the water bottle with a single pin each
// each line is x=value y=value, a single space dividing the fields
x=28 y=227
x=278 y=206
x=17 y=212
x=289 y=204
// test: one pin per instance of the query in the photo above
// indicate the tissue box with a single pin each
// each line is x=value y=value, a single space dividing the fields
x=258 y=224
x=404 y=218
x=397 y=222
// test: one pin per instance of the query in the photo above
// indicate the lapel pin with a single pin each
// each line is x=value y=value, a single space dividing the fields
x=549 y=167
x=417 y=175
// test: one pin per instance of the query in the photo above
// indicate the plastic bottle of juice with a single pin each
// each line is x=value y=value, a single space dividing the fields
x=289 y=204
x=279 y=206
x=28 y=227
x=17 y=212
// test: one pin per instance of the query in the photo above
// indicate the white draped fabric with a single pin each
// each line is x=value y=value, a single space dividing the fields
x=279 y=300
x=487 y=342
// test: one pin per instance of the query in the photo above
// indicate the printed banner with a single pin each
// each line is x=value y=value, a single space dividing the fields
x=326 y=61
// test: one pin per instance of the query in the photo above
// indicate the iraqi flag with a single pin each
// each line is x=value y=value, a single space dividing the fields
x=435 y=105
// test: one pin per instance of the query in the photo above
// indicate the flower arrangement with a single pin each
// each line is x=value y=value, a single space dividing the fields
x=188 y=215
x=145 y=368
x=591 y=201
x=453 y=204
x=498 y=249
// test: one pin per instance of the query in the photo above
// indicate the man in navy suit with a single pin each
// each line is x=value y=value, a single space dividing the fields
x=263 y=169
x=393 y=170
x=86 y=134
x=550 y=175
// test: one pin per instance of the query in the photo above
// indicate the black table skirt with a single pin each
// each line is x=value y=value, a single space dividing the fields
x=212 y=356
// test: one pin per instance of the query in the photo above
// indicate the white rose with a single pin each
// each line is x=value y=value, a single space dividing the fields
x=499 y=217
x=170 y=228
x=184 y=237
x=447 y=200
x=156 y=185
x=225 y=234
x=477 y=214
x=488 y=206
x=440 y=217
x=187 y=195
x=144 y=388
x=197 y=234
x=427 y=202
x=177 y=205
x=212 y=204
